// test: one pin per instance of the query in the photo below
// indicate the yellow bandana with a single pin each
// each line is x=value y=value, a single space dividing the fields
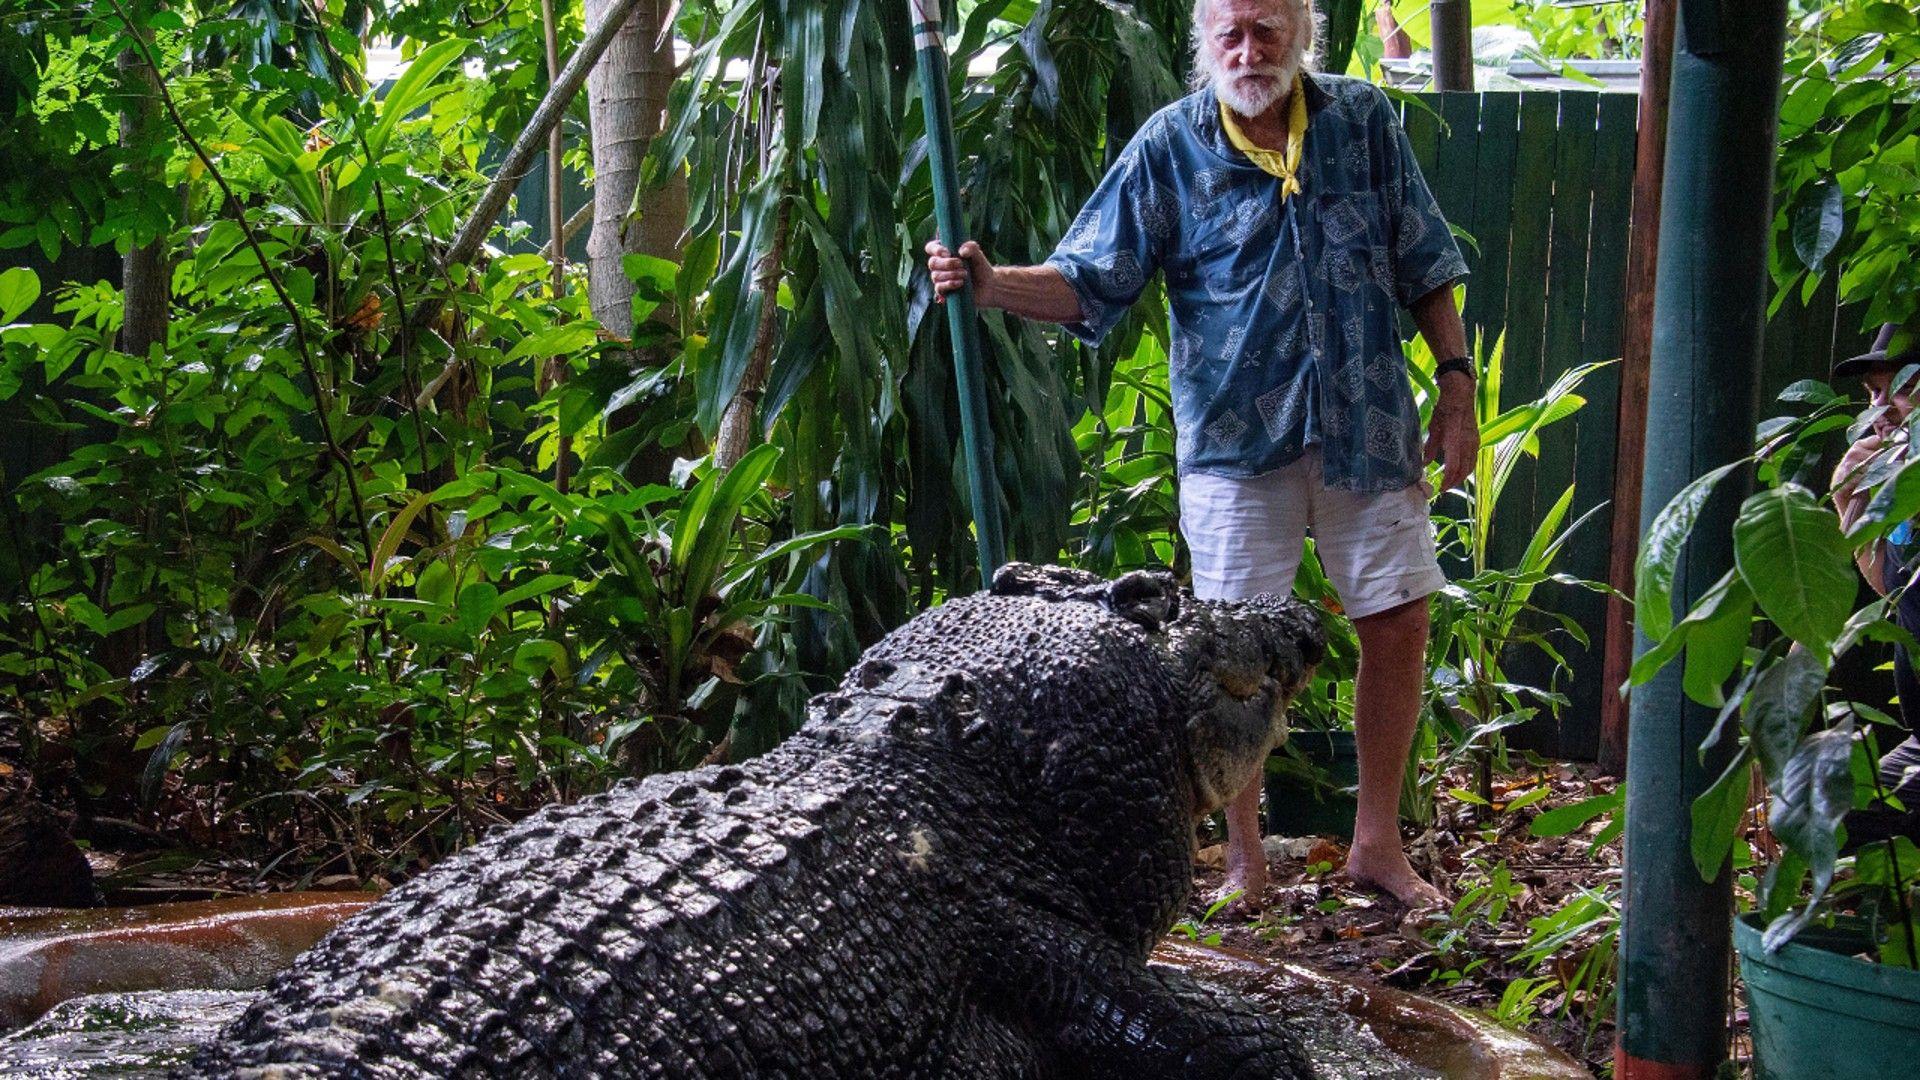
x=1285 y=165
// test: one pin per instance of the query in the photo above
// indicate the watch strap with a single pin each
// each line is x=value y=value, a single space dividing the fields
x=1460 y=364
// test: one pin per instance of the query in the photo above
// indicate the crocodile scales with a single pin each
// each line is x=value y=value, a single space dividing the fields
x=956 y=868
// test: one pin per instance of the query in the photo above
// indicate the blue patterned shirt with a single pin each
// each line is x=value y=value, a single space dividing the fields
x=1285 y=326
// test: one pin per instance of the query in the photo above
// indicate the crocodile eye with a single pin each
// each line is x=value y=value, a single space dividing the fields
x=1239 y=683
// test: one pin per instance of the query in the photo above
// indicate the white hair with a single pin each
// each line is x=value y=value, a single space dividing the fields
x=1202 y=72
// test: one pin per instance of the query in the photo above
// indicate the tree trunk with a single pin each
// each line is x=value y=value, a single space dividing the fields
x=626 y=101
x=143 y=270
x=735 y=437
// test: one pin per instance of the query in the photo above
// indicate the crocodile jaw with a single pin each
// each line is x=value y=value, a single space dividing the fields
x=1232 y=737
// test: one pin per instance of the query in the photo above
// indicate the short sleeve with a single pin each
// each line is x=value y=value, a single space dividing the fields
x=1424 y=255
x=1116 y=243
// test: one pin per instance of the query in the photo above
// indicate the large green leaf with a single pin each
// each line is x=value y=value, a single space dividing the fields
x=1817 y=225
x=1718 y=640
x=1813 y=792
x=1778 y=705
x=1790 y=551
x=1660 y=553
x=1562 y=820
x=414 y=88
x=1716 y=816
x=19 y=288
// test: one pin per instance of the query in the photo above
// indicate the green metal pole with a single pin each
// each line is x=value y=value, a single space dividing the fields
x=1708 y=317
x=976 y=435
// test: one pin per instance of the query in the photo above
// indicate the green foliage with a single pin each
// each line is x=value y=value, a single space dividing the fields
x=860 y=387
x=303 y=559
x=1605 y=31
x=1793 y=570
x=1848 y=172
x=1478 y=623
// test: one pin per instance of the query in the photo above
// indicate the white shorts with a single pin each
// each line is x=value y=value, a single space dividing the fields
x=1248 y=534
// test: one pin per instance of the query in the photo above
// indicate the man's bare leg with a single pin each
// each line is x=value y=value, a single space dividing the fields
x=1246 y=859
x=1393 y=650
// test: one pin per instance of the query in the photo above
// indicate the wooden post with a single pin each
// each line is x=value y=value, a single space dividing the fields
x=1703 y=386
x=1656 y=72
x=1452 y=45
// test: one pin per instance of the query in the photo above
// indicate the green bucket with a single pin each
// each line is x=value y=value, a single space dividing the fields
x=1317 y=800
x=1816 y=1012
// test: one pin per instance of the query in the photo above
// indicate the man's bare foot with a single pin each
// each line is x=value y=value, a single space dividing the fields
x=1388 y=871
x=1246 y=875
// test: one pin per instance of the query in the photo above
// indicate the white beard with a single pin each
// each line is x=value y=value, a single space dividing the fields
x=1252 y=97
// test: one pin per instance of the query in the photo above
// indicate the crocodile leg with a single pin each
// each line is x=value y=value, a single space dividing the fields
x=1110 y=1016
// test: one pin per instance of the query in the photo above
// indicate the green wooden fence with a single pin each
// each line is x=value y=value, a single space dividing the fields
x=1542 y=182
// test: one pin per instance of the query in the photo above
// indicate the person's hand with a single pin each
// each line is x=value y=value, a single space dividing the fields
x=1453 y=434
x=950 y=272
x=1852 y=469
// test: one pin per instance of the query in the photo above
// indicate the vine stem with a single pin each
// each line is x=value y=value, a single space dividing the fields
x=322 y=399
x=400 y=312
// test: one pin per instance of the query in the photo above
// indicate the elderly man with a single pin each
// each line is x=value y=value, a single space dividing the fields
x=1290 y=221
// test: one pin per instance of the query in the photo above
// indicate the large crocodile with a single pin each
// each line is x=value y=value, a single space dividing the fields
x=956 y=868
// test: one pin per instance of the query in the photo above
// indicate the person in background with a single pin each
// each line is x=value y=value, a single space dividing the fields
x=1892 y=563
x=1291 y=224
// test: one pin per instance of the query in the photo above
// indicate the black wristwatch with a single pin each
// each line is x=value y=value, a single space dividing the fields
x=1461 y=364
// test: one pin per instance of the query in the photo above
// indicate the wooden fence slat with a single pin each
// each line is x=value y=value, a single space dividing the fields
x=1459 y=150
x=1597 y=425
x=1613 y=153
x=1422 y=121
x=1813 y=343
x=1566 y=292
x=1780 y=346
x=1521 y=373
x=1492 y=226
x=1532 y=225
x=1567 y=276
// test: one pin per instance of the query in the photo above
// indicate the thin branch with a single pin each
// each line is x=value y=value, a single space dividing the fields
x=321 y=397
x=402 y=328
x=567 y=232
x=466 y=243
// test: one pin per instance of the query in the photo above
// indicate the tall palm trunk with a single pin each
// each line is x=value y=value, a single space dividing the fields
x=627 y=96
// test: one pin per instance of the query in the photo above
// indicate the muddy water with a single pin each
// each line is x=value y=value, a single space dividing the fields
x=140 y=1034
x=170 y=955
x=237 y=943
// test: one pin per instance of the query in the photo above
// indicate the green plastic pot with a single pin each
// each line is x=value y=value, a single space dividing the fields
x=1816 y=1012
x=1318 y=805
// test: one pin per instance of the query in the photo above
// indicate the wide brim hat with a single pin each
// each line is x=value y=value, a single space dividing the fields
x=1896 y=345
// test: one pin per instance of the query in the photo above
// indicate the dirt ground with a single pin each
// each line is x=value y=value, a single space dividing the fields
x=1465 y=956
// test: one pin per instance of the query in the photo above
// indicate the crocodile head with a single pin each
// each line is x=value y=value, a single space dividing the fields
x=1235 y=665
x=1240 y=664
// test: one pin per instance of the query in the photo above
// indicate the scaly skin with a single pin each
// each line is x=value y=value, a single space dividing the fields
x=955 y=869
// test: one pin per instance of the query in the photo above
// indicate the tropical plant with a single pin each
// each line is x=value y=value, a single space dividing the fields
x=1479 y=622
x=1813 y=745
x=1598 y=31
x=300 y=557
x=1847 y=178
